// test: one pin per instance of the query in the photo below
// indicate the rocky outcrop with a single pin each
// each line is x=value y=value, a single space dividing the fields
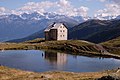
x=112 y=76
x=109 y=78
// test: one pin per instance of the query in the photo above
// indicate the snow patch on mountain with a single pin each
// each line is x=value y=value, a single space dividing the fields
x=104 y=17
x=18 y=26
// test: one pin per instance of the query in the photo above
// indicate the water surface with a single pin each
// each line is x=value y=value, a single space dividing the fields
x=40 y=61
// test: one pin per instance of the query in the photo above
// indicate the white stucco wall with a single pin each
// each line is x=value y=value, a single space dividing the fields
x=62 y=33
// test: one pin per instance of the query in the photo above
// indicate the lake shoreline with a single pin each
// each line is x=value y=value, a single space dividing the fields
x=11 y=73
x=45 y=60
x=77 y=47
x=80 y=53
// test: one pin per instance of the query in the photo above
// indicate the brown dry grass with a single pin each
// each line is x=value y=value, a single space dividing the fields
x=13 y=74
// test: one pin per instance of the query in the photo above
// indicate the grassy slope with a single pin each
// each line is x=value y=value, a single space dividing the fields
x=113 y=45
x=92 y=30
x=104 y=35
x=13 y=74
x=96 y=31
x=72 y=45
x=76 y=46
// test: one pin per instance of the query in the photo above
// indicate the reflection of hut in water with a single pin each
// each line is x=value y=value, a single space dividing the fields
x=56 y=57
x=61 y=58
x=52 y=57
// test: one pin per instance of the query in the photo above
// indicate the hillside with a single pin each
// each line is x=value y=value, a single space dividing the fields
x=67 y=45
x=18 y=26
x=112 y=43
x=96 y=31
x=39 y=34
x=105 y=35
x=78 y=47
x=75 y=46
x=112 y=46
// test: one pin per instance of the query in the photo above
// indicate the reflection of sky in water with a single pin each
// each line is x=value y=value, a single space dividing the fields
x=39 y=61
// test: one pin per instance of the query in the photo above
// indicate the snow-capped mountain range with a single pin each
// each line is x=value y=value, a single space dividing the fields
x=105 y=17
x=14 y=26
x=17 y=26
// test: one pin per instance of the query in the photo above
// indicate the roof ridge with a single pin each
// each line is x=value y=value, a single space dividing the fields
x=55 y=25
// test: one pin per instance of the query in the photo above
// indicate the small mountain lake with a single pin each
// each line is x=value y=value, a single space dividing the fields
x=41 y=61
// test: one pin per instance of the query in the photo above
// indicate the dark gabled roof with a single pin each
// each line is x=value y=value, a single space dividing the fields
x=48 y=28
x=54 y=26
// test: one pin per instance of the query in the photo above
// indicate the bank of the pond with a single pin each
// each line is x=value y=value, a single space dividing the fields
x=13 y=74
x=75 y=46
x=112 y=46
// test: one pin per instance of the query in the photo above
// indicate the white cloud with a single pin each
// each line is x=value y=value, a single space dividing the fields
x=81 y=11
x=102 y=0
x=116 y=1
x=40 y=6
x=98 y=0
x=66 y=8
x=63 y=7
x=64 y=3
x=4 y=11
x=111 y=10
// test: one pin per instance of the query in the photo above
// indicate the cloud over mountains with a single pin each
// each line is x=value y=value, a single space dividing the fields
x=63 y=7
x=112 y=9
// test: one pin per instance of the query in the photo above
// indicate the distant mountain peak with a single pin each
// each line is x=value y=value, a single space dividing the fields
x=105 y=17
x=18 y=26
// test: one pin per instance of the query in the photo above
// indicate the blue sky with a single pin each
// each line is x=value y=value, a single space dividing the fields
x=13 y=4
x=92 y=5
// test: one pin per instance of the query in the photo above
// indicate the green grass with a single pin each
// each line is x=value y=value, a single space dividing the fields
x=112 y=43
x=38 y=40
x=76 y=46
x=113 y=46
